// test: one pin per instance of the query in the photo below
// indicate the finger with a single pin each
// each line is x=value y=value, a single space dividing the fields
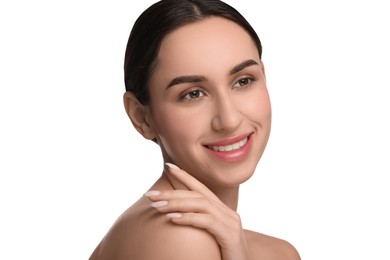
x=155 y=195
x=189 y=181
x=197 y=220
x=196 y=205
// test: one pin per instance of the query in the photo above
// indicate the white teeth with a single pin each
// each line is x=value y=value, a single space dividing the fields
x=230 y=147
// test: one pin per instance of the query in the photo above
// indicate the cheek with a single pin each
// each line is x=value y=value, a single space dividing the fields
x=177 y=128
x=258 y=108
x=265 y=107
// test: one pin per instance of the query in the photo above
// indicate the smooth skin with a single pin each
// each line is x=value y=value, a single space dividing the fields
x=208 y=93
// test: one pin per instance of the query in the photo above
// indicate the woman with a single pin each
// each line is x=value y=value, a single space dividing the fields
x=195 y=85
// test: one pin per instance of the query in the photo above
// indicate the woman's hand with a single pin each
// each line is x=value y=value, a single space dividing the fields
x=201 y=208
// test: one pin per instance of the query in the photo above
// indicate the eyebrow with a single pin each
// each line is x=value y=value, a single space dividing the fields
x=242 y=66
x=198 y=78
x=186 y=79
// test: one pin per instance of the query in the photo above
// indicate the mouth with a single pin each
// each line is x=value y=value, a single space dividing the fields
x=229 y=147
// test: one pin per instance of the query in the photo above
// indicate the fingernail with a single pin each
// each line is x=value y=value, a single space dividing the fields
x=172 y=166
x=174 y=215
x=157 y=204
x=152 y=193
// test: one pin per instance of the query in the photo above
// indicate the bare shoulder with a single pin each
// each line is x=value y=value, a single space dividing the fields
x=175 y=242
x=268 y=247
x=119 y=241
x=142 y=233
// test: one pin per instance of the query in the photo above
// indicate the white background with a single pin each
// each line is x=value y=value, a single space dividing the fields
x=70 y=161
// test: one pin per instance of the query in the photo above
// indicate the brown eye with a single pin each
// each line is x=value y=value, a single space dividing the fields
x=193 y=94
x=243 y=82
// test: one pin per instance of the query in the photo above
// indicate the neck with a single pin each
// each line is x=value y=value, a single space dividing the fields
x=229 y=196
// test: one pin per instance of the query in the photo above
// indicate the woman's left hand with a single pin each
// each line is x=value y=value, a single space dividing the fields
x=201 y=208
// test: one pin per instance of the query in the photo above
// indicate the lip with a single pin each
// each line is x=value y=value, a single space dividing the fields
x=233 y=155
x=229 y=141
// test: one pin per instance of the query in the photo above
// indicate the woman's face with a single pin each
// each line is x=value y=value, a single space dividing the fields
x=209 y=105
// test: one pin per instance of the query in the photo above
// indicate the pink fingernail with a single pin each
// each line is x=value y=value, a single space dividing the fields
x=152 y=193
x=158 y=204
x=172 y=166
x=174 y=215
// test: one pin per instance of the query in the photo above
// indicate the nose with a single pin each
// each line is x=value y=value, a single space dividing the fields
x=227 y=116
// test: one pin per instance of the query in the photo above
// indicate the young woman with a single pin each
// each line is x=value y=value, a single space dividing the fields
x=195 y=85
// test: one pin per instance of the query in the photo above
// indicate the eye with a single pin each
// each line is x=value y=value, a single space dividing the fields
x=243 y=82
x=193 y=94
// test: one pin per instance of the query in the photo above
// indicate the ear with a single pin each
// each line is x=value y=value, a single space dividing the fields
x=138 y=115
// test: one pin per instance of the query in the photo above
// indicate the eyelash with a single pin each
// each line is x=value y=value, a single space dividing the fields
x=186 y=95
x=186 y=98
x=246 y=78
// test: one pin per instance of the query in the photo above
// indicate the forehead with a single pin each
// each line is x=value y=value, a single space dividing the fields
x=202 y=45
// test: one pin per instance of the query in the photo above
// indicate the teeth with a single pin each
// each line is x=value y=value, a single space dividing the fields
x=230 y=147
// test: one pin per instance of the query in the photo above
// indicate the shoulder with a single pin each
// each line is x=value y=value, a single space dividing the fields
x=268 y=247
x=142 y=233
x=120 y=234
x=174 y=242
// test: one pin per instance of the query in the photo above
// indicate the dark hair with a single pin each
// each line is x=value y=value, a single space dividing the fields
x=155 y=23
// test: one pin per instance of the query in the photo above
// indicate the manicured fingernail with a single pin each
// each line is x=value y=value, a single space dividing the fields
x=172 y=166
x=158 y=204
x=174 y=215
x=152 y=193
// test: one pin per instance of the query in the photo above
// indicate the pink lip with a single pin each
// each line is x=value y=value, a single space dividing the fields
x=229 y=140
x=234 y=155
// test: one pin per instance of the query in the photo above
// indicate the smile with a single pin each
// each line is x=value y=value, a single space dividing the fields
x=230 y=147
